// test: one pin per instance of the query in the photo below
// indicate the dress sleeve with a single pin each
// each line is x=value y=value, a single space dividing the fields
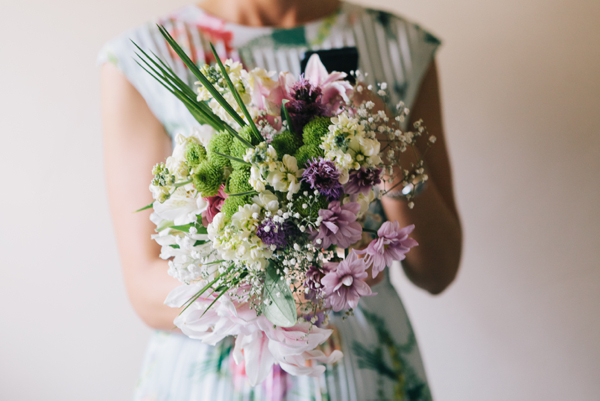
x=423 y=46
x=121 y=52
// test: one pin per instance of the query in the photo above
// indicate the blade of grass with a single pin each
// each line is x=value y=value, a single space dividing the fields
x=236 y=95
x=148 y=206
x=286 y=115
x=244 y=193
x=197 y=105
x=167 y=76
x=190 y=104
x=213 y=302
x=236 y=159
x=190 y=301
x=198 y=74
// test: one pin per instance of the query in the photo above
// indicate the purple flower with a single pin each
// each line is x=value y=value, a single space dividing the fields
x=393 y=244
x=338 y=225
x=305 y=103
x=320 y=318
x=361 y=181
x=277 y=234
x=313 y=281
x=345 y=284
x=322 y=175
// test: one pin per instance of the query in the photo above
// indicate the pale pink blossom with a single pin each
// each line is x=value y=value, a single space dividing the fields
x=393 y=244
x=344 y=284
x=338 y=225
x=214 y=206
x=335 y=89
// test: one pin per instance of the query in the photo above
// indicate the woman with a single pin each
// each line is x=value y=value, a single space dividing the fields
x=140 y=119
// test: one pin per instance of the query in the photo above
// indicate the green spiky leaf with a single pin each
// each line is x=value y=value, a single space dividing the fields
x=236 y=94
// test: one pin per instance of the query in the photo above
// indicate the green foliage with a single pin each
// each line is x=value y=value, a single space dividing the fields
x=307 y=152
x=195 y=153
x=232 y=204
x=238 y=149
x=207 y=178
x=281 y=307
x=238 y=181
x=286 y=143
x=315 y=130
x=220 y=143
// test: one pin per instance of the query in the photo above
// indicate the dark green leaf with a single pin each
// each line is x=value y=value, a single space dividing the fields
x=236 y=95
x=286 y=115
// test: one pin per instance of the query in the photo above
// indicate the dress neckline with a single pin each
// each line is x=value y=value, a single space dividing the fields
x=200 y=12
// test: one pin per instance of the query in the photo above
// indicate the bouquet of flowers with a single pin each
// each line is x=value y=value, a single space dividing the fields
x=261 y=210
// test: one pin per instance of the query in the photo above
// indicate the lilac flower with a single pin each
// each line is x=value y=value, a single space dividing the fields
x=277 y=234
x=345 y=284
x=313 y=281
x=393 y=244
x=320 y=318
x=338 y=225
x=361 y=181
x=322 y=175
x=305 y=103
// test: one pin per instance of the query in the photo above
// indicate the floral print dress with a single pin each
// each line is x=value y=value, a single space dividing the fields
x=381 y=358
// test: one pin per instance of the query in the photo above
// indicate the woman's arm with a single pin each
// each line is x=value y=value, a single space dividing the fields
x=134 y=141
x=434 y=263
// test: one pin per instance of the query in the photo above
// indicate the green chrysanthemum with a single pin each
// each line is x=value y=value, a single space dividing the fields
x=238 y=181
x=313 y=206
x=307 y=152
x=238 y=149
x=286 y=143
x=195 y=153
x=315 y=130
x=207 y=178
x=220 y=143
x=232 y=204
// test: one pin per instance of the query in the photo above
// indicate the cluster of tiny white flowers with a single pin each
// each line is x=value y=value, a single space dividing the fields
x=350 y=144
x=236 y=240
x=191 y=257
x=394 y=141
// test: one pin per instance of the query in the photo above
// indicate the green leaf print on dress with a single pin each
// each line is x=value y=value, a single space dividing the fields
x=388 y=359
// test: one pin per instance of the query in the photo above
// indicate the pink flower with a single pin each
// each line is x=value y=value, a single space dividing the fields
x=334 y=89
x=345 y=284
x=214 y=206
x=338 y=225
x=393 y=244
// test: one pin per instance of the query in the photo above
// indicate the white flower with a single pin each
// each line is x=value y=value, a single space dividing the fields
x=349 y=146
x=236 y=239
x=285 y=177
x=364 y=201
x=182 y=207
x=256 y=180
x=268 y=201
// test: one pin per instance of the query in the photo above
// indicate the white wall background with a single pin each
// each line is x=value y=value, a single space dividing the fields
x=521 y=89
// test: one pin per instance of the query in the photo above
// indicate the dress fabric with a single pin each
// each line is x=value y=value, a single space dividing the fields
x=381 y=358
